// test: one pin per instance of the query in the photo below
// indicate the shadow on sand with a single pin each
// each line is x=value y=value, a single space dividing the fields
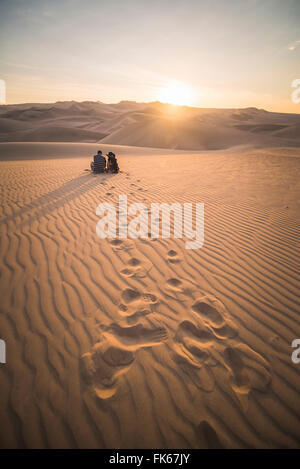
x=58 y=197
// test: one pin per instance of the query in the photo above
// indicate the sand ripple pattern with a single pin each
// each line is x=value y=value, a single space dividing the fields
x=141 y=343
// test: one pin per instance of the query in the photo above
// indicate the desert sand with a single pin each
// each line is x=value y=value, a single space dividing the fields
x=141 y=343
x=148 y=125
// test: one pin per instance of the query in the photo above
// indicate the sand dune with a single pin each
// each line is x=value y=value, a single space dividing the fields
x=134 y=343
x=148 y=125
x=62 y=134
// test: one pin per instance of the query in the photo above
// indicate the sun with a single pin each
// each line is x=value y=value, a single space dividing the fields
x=175 y=93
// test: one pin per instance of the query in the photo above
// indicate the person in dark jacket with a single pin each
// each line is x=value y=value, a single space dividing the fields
x=99 y=163
x=112 y=164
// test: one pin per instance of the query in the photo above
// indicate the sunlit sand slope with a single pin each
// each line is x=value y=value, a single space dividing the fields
x=154 y=125
x=133 y=343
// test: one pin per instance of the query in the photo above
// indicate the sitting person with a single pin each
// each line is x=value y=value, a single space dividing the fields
x=112 y=164
x=99 y=163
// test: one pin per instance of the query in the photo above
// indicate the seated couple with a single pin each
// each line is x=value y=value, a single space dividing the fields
x=100 y=165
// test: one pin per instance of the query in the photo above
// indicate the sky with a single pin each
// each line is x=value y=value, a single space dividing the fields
x=222 y=53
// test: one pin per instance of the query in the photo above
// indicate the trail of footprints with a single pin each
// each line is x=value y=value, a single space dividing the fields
x=204 y=339
x=115 y=353
x=212 y=339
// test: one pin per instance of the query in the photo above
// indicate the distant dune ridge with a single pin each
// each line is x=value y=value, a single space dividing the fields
x=147 y=125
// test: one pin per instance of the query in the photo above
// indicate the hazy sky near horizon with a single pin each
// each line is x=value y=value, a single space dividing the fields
x=229 y=53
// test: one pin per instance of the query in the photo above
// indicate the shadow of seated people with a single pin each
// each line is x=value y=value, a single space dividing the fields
x=55 y=199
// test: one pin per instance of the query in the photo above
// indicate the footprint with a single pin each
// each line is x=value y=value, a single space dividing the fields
x=248 y=371
x=117 y=357
x=193 y=353
x=116 y=242
x=179 y=290
x=199 y=353
x=173 y=257
x=120 y=244
x=208 y=436
x=133 y=317
x=227 y=331
x=128 y=272
x=149 y=298
x=130 y=295
x=210 y=339
x=197 y=370
x=134 y=262
x=101 y=368
x=135 y=305
x=188 y=329
x=207 y=312
x=136 y=268
x=194 y=350
x=137 y=336
x=236 y=365
x=174 y=283
x=213 y=312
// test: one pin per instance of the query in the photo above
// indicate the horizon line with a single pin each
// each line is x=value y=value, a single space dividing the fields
x=146 y=103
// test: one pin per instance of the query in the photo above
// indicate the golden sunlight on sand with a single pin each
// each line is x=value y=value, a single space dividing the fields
x=141 y=343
